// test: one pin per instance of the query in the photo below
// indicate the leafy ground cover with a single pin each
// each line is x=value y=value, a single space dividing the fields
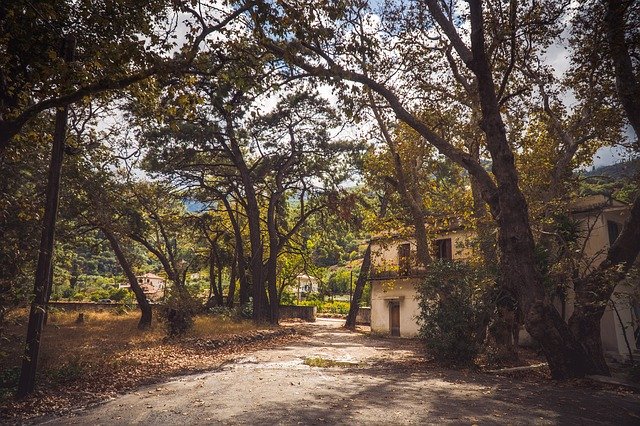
x=107 y=355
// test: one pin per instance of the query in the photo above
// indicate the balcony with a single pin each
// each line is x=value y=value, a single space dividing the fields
x=383 y=272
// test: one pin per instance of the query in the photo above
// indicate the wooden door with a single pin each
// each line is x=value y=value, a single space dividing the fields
x=394 y=318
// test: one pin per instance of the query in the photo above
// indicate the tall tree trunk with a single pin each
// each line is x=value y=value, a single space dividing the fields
x=219 y=293
x=43 y=278
x=143 y=303
x=231 y=294
x=357 y=293
x=213 y=288
x=260 y=308
x=627 y=86
x=241 y=262
x=565 y=355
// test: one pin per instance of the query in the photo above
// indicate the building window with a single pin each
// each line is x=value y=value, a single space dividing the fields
x=443 y=249
x=404 y=259
x=614 y=231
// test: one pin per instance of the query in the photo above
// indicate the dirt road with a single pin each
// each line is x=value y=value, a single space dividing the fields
x=364 y=380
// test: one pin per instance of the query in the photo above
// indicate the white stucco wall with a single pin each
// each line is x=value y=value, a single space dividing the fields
x=595 y=251
x=401 y=290
x=384 y=256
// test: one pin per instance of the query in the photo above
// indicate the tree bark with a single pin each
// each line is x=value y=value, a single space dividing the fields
x=239 y=252
x=231 y=294
x=143 y=303
x=44 y=278
x=518 y=263
x=357 y=293
x=260 y=308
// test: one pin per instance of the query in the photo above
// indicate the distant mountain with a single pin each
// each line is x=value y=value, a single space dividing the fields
x=625 y=169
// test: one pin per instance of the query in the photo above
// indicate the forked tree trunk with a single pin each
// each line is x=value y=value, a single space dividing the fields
x=565 y=355
x=141 y=298
x=357 y=292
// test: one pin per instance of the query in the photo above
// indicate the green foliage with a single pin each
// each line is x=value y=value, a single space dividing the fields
x=99 y=294
x=120 y=295
x=453 y=303
x=288 y=298
x=339 y=281
x=336 y=307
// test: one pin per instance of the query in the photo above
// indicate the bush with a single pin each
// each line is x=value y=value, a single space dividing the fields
x=178 y=312
x=327 y=307
x=288 y=298
x=119 y=294
x=453 y=306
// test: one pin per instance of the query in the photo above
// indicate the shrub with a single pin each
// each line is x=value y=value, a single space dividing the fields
x=119 y=294
x=453 y=307
x=287 y=298
x=327 y=307
x=178 y=312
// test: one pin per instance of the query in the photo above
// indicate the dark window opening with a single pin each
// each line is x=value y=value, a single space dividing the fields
x=443 y=249
x=614 y=231
x=404 y=259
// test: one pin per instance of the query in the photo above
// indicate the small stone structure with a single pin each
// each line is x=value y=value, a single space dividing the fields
x=306 y=313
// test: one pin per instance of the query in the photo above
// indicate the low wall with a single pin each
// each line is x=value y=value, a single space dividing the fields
x=364 y=316
x=307 y=313
x=90 y=306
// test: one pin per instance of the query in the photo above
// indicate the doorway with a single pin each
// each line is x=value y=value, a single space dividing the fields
x=394 y=318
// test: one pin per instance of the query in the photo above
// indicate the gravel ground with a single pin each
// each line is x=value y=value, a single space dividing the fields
x=367 y=380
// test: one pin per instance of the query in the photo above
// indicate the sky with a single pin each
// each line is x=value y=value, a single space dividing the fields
x=558 y=57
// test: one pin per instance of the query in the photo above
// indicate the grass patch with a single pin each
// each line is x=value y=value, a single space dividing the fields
x=326 y=363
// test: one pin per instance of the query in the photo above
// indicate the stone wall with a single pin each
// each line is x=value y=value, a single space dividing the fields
x=306 y=313
x=90 y=306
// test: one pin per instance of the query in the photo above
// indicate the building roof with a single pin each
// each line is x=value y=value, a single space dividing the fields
x=150 y=276
x=594 y=202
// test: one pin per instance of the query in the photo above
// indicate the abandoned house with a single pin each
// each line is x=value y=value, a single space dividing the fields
x=395 y=272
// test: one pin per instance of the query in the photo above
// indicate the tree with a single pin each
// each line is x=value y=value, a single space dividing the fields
x=486 y=73
x=357 y=293
x=119 y=44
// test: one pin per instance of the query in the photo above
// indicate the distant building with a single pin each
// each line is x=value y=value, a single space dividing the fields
x=306 y=285
x=152 y=285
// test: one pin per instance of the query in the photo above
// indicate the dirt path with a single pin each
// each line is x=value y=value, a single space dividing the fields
x=379 y=381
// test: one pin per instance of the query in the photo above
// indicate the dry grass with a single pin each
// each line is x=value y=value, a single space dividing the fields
x=107 y=354
x=102 y=338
